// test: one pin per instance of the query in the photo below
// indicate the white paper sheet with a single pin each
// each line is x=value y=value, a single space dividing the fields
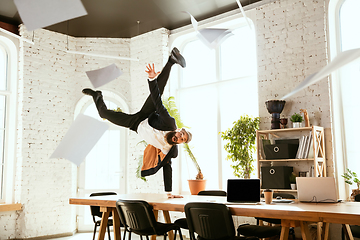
x=104 y=75
x=243 y=13
x=339 y=61
x=81 y=137
x=42 y=13
x=211 y=37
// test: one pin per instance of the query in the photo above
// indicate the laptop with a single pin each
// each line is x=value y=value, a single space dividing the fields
x=316 y=189
x=243 y=191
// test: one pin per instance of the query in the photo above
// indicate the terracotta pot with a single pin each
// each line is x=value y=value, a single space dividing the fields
x=196 y=186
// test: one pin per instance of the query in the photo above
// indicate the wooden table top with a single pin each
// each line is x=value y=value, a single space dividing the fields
x=342 y=213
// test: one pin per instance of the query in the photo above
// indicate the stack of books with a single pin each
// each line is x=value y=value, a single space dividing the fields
x=305 y=149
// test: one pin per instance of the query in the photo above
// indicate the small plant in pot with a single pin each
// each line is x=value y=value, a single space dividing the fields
x=241 y=145
x=296 y=119
x=293 y=181
x=351 y=178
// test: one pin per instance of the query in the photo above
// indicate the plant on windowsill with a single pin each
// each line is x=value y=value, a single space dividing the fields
x=296 y=119
x=241 y=145
x=198 y=184
x=351 y=178
x=170 y=105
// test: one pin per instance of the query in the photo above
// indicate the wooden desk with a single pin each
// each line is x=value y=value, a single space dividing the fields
x=292 y=215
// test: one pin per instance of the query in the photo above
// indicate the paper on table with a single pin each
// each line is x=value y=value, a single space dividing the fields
x=81 y=137
x=42 y=13
x=211 y=37
x=104 y=75
x=339 y=61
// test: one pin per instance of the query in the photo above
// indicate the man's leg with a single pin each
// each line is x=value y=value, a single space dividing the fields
x=175 y=57
x=130 y=121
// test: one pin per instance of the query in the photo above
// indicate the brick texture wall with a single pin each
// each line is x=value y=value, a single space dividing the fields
x=291 y=44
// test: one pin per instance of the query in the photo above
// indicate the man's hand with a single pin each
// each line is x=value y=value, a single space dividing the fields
x=169 y=195
x=151 y=71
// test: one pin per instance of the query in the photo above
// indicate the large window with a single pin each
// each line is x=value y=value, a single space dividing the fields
x=8 y=73
x=104 y=169
x=345 y=87
x=214 y=90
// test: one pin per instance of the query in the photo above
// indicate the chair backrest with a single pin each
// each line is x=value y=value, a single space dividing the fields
x=95 y=210
x=138 y=215
x=209 y=220
x=212 y=193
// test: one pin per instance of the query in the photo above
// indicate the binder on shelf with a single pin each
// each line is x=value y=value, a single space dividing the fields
x=301 y=147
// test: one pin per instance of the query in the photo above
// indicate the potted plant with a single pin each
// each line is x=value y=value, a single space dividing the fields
x=198 y=184
x=296 y=119
x=293 y=181
x=351 y=178
x=241 y=145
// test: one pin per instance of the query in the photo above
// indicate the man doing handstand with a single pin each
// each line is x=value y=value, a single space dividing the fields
x=153 y=123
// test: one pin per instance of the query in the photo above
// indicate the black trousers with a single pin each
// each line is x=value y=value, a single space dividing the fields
x=132 y=121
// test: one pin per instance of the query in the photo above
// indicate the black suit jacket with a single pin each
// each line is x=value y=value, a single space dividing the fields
x=161 y=120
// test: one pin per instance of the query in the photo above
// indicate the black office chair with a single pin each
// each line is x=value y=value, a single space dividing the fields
x=266 y=231
x=182 y=223
x=355 y=229
x=95 y=212
x=138 y=215
x=211 y=221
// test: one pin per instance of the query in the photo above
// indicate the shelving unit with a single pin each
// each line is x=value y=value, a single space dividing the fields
x=318 y=159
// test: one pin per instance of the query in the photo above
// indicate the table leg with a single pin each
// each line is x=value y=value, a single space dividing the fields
x=104 y=221
x=325 y=231
x=168 y=220
x=156 y=213
x=305 y=232
x=347 y=232
x=116 y=224
x=319 y=230
x=284 y=233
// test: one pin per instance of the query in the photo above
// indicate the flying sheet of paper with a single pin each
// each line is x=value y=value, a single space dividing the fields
x=42 y=13
x=243 y=13
x=81 y=137
x=104 y=75
x=211 y=37
x=339 y=61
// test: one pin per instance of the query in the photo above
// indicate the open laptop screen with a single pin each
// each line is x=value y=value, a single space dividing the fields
x=316 y=189
x=243 y=190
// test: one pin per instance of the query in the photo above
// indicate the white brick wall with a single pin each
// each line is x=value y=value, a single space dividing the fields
x=292 y=44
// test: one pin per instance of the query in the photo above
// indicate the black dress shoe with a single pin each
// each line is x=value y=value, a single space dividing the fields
x=176 y=57
x=88 y=91
x=94 y=94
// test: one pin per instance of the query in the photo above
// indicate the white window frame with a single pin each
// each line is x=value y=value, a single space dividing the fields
x=10 y=121
x=179 y=38
x=339 y=144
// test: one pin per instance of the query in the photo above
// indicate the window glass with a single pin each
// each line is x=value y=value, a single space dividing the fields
x=3 y=68
x=200 y=65
x=238 y=61
x=349 y=81
x=349 y=21
x=102 y=164
x=216 y=88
